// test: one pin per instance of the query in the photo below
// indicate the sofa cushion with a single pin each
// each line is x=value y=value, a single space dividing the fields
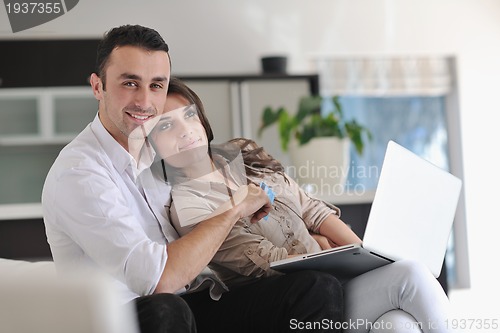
x=34 y=299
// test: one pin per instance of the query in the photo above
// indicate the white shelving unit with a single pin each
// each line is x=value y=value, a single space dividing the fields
x=35 y=123
x=34 y=116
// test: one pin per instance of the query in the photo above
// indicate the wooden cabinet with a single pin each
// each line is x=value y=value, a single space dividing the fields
x=46 y=63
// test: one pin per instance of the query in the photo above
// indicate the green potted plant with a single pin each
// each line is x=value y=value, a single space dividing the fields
x=319 y=144
x=309 y=123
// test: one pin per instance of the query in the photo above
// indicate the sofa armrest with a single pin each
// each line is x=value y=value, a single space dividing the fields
x=34 y=299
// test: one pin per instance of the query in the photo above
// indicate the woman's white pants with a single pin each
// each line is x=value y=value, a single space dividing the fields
x=371 y=298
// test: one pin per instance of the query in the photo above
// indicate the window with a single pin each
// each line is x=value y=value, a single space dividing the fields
x=416 y=122
x=413 y=101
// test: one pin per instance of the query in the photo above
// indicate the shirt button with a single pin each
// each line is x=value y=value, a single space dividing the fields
x=295 y=242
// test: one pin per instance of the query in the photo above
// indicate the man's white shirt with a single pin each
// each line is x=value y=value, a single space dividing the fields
x=92 y=198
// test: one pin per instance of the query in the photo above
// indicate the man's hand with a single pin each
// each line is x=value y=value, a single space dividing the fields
x=188 y=255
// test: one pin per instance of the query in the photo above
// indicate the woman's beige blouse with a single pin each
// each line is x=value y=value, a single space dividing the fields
x=249 y=248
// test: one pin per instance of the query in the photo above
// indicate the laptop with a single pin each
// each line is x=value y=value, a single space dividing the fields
x=411 y=218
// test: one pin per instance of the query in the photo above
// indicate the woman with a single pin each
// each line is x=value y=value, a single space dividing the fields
x=206 y=179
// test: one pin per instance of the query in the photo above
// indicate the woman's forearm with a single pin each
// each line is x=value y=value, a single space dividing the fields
x=337 y=231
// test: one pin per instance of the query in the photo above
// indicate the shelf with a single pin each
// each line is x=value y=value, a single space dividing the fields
x=34 y=140
x=34 y=210
x=348 y=198
x=21 y=211
x=40 y=116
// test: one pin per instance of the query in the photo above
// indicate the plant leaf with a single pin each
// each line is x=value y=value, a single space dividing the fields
x=308 y=105
x=286 y=124
x=269 y=117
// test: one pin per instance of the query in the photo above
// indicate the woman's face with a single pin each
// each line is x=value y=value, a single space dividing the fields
x=179 y=136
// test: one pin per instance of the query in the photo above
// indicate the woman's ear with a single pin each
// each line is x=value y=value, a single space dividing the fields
x=97 y=86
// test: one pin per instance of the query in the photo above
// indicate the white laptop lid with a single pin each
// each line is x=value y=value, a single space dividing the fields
x=413 y=209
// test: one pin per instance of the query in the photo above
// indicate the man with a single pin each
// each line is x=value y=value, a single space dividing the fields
x=101 y=212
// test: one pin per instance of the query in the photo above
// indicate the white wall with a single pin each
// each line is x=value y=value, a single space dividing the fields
x=229 y=36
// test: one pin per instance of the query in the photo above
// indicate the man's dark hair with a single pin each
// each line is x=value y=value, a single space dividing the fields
x=127 y=35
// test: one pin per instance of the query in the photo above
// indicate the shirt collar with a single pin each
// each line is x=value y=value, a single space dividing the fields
x=122 y=160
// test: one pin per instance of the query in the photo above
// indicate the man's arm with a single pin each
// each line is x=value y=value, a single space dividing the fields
x=190 y=254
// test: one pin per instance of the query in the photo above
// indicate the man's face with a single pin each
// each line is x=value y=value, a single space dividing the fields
x=136 y=90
